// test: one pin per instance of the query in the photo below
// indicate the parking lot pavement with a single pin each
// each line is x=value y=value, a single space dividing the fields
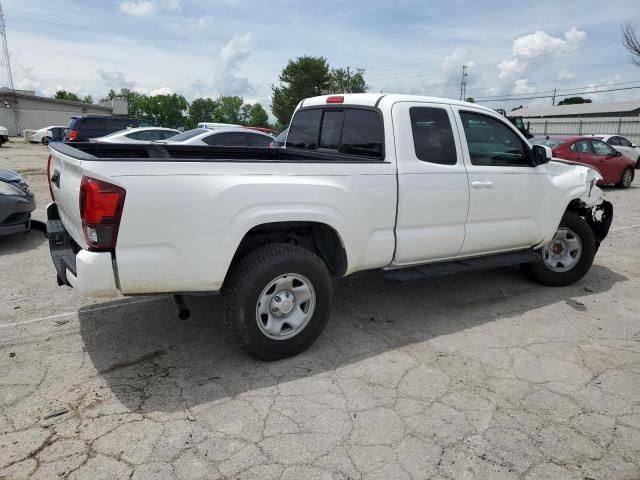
x=484 y=375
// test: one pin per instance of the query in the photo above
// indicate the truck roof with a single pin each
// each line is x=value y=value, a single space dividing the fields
x=375 y=99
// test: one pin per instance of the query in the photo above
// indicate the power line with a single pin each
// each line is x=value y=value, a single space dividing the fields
x=482 y=100
x=563 y=89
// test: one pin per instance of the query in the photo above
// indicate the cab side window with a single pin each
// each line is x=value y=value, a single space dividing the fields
x=581 y=146
x=623 y=142
x=602 y=148
x=492 y=143
x=432 y=135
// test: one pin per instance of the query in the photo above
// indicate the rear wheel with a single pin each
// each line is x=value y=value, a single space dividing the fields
x=626 y=178
x=569 y=256
x=277 y=301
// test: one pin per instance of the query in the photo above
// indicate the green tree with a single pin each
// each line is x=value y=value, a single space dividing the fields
x=229 y=108
x=574 y=100
x=166 y=110
x=64 y=95
x=137 y=102
x=258 y=116
x=203 y=110
x=87 y=99
x=347 y=80
x=300 y=78
x=245 y=113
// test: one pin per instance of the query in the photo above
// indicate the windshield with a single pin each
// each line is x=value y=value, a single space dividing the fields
x=187 y=135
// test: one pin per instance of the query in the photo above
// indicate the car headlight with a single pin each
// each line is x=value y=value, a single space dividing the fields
x=10 y=189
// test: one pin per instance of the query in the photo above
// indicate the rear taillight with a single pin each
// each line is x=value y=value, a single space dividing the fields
x=101 y=206
x=73 y=135
x=49 y=161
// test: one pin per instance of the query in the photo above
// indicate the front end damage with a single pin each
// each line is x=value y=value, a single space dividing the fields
x=593 y=207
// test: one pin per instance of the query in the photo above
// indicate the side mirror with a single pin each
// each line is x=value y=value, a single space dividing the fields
x=633 y=145
x=540 y=155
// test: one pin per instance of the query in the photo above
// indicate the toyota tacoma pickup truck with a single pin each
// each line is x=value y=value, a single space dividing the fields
x=409 y=184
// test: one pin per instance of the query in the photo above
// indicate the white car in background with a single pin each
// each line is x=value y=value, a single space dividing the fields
x=227 y=137
x=215 y=126
x=43 y=135
x=4 y=135
x=139 y=135
x=623 y=145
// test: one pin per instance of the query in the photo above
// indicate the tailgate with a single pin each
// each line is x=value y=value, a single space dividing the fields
x=65 y=176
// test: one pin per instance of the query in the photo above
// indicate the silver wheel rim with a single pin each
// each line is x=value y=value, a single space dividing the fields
x=563 y=252
x=285 y=306
x=627 y=177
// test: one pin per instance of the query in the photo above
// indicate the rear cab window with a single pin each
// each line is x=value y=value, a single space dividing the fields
x=356 y=132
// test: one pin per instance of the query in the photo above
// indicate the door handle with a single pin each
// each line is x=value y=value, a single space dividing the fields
x=481 y=184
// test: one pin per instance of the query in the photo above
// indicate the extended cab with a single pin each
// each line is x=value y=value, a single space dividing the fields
x=410 y=184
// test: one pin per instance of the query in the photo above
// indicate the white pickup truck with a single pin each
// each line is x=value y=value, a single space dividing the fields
x=414 y=185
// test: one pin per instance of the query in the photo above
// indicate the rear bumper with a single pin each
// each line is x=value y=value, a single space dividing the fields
x=90 y=273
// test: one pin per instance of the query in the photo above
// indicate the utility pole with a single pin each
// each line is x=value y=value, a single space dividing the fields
x=348 y=81
x=553 y=100
x=463 y=82
x=6 y=63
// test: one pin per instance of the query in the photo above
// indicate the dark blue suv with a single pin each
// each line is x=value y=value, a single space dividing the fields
x=83 y=129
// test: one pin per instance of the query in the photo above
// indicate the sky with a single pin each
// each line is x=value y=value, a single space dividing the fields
x=205 y=48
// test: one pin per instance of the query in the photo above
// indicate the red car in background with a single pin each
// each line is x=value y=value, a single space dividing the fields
x=614 y=167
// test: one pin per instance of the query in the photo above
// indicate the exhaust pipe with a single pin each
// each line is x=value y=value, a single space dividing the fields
x=181 y=307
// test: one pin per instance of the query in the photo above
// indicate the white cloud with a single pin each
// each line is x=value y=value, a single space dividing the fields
x=537 y=47
x=143 y=8
x=161 y=91
x=565 y=74
x=138 y=8
x=204 y=21
x=522 y=86
x=115 y=79
x=236 y=51
x=170 y=5
x=575 y=36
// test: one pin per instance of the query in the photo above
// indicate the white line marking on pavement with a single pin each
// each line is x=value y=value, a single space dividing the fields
x=60 y=315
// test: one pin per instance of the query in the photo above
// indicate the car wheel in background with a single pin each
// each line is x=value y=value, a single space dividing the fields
x=569 y=256
x=277 y=300
x=626 y=178
x=45 y=140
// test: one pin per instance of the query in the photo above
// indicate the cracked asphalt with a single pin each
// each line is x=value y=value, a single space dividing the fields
x=476 y=376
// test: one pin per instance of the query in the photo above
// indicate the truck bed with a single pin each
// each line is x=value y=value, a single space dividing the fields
x=195 y=153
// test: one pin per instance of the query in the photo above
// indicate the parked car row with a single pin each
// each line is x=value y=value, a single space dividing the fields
x=615 y=168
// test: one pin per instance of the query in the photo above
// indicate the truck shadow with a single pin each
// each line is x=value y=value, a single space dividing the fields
x=152 y=361
x=21 y=242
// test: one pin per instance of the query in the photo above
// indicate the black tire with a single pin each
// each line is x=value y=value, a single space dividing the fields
x=545 y=275
x=626 y=178
x=45 y=140
x=245 y=284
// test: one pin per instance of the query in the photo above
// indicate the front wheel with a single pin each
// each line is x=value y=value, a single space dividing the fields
x=626 y=178
x=569 y=256
x=277 y=301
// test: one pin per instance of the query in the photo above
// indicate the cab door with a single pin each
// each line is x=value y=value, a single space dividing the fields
x=607 y=162
x=507 y=194
x=433 y=191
